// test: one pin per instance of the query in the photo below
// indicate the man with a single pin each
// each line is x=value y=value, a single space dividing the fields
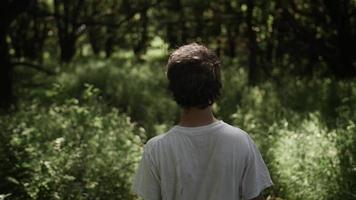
x=201 y=158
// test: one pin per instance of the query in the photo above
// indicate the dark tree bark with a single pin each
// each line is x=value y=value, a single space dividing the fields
x=232 y=26
x=345 y=62
x=109 y=43
x=199 y=23
x=94 y=35
x=182 y=23
x=171 y=35
x=26 y=29
x=9 y=10
x=141 y=45
x=231 y=52
x=172 y=29
x=6 y=72
x=94 y=32
x=252 y=45
x=68 y=25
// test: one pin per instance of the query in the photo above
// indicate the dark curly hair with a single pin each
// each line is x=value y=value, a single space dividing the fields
x=193 y=73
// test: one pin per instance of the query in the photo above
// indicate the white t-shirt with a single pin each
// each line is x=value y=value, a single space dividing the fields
x=212 y=162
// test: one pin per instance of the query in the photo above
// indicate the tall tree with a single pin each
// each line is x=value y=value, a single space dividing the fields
x=252 y=43
x=9 y=10
x=69 y=26
x=342 y=13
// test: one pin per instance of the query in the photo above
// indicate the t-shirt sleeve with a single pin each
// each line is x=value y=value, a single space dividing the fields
x=146 y=182
x=256 y=177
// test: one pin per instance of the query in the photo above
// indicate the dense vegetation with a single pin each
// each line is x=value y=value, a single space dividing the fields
x=82 y=87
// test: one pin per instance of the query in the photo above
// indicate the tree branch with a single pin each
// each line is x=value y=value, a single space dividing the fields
x=34 y=66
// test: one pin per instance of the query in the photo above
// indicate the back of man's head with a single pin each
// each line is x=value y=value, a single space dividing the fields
x=193 y=73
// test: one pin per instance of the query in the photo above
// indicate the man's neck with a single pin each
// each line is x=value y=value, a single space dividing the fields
x=196 y=117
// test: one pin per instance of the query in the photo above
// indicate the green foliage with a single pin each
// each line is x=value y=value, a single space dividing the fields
x=346 y=146
x=57 y=146
x=305 y=130
x=64 y=144
x=136 y=88
x=77 y=149
x=305 y=159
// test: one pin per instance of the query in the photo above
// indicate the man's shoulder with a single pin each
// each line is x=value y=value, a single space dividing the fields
x=156 y=140
x=224 y=132
x=233 y=131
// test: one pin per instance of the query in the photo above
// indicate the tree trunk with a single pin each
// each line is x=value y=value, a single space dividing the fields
x=252 y=45
x=171 y=35
x=68 y=48
x=199 y=23
x=141 y=46
x=9 y=10
x=67 y=27
x=109 y=43
x=94 y=34
x=344 y=65
x=6 y=71
x=231 y=42
x=182 y=23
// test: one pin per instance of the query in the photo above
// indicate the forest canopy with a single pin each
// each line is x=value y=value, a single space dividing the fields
x=304 y=38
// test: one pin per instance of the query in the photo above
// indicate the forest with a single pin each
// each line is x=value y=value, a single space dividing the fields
x=83 y=87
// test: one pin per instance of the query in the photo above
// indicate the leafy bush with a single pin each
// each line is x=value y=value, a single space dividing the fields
x=346 y=148
x=304 y=127
x=78 y=149
x=310 y=150
x=305 y=159
x=135 y=88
